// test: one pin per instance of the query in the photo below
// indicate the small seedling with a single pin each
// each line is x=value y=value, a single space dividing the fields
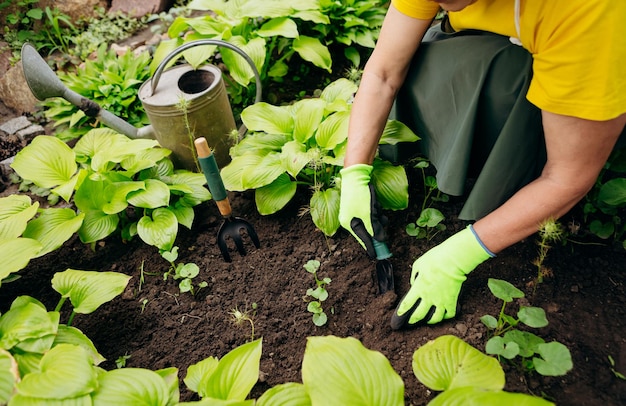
x=549 y=359
x=144 y=302
x=318 y=295
x=244 y=316
x=615 y=372
x=550 y=232
x=120 y=362
x=429 y=221
x=185 y=272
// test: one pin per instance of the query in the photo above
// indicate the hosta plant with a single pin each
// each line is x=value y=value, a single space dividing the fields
x=116 y=184
x=304 y=144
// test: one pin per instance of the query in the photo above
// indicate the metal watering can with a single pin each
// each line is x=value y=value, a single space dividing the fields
x=207 y=113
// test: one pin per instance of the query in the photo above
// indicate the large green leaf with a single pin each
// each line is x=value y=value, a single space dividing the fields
x=235 y=375
x=448 y=362
x=131 y=386
x=47 y=162
x=341 y=371
x=267 y=118
x=333 y=130
x=613 y=192
x=238 y=67
x=160 y=230
x=474 y=396
x=395 y=132
x=97 y=225
x=116 y=194
x=71 y=335
x=282 y=26
x=308 y=114
x=259 y=143
x=341 y=89
x=295 y=157
x=156 y=194
x=65 y=372
x=273 y=197
x=88 y=290
x=15 y=213
x=312 y=50
x=22 y=251
x=267 y=170
x=26 y=321
x=391 y=185
x=290 y=393
x=196 y=371
x=325 y=210
x=8 y=376
x=53 y=227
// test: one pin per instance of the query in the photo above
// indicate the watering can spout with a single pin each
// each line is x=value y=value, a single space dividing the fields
x=44 y=83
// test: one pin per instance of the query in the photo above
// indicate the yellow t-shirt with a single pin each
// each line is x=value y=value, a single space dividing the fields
x=578 y=48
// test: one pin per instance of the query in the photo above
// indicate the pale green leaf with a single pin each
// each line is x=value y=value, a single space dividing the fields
x=325 y=210
x=65 y=372
x=88 y=290
x=395 y=132
x=391 y=185
x=267 y=170
x=15 y=213
x=71 y=335
x=8 y=376
x=273 y=197
x=341 y=371
x=53 y=227
x=333 y=130
x=116 y=194
x=22 y=251
x=97 y=226
x=184 y=215
x=267 y=118
x=449 y=362
x=295 y=157
x=341 y=89
x=131 y=386
x=285 y=394
x=282 y=26
x=238 y=66
x=474 y=396
x=197 y=371
x=156 y=194
x=160 y=230
x=312 y=50
x=308 y=114
x=236 y=374
x=26 y=320
x=46 y=161
x=259 y=143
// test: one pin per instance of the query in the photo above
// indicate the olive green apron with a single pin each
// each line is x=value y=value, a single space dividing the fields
x=465 y=97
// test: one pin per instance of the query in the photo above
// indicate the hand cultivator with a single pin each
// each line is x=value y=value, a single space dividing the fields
x=233 y=227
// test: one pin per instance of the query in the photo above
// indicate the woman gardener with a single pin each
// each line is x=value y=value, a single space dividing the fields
x=525 y=97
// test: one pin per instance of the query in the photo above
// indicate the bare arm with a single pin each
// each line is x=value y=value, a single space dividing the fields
x=383 y=75
x=577 y=150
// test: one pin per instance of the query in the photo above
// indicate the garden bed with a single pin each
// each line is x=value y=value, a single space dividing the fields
x=155 y=326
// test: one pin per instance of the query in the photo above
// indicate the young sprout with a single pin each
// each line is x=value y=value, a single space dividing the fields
x=238 y=317
x=550 y=231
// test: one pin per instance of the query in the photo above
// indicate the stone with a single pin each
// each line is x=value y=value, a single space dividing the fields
x=15 y=124
x=75 y=9
x=139 y=8
x=14 y=91
x=28 y=133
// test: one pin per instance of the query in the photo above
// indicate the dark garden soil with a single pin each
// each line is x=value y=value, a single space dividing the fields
x=157 y=326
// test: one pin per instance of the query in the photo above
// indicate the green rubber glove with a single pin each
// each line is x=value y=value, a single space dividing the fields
x=437 y=277
x=359 y=212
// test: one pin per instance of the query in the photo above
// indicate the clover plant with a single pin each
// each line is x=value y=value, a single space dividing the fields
x=303 y=145
x=464 y=375
x=509 y=342
x=116 y=184
x=317 y=295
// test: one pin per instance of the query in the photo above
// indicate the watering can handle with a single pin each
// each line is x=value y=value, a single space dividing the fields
x=157 y=73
